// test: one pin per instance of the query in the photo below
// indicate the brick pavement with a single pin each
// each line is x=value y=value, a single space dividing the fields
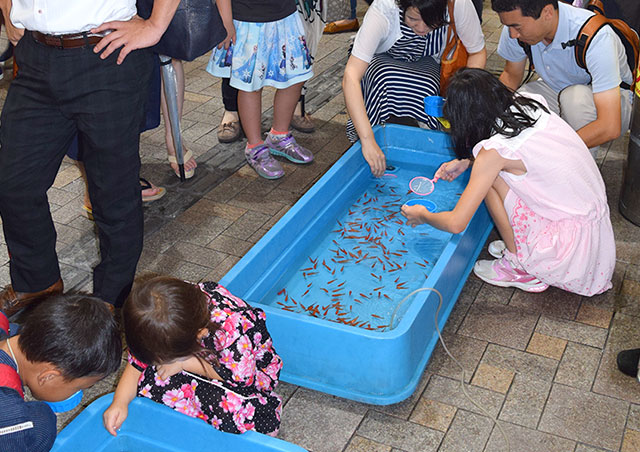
x=543 y=364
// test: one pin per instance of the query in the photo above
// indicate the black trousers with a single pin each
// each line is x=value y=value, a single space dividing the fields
x=57 y=94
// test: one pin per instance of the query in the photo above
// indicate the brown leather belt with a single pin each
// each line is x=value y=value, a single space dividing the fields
x=70 y=41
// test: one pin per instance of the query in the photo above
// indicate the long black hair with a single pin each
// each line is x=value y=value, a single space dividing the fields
x=433 y=12
x=478 y=106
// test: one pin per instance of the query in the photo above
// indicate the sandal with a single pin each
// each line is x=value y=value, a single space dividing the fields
x=188 y=155
x=87 y=212
x=146 y=185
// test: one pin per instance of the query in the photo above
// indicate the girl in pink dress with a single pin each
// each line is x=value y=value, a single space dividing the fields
x=201 y=351
x=539 y=183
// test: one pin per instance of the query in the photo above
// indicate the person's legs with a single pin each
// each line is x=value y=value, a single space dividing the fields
x=495 y=204
x=350 y=24
x=190 y=163
x=34 y=137
x=578 y=108
x=280 y=140
x=109 y=112
x=541 y=88
x=229 y=129
x=256 y=152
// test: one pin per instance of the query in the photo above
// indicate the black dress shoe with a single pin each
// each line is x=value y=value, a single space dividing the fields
x=628 y=362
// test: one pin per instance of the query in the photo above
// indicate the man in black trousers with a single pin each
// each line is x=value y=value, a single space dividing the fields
x=83 y=70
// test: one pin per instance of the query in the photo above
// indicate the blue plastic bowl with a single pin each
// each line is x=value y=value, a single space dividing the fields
x=67 y=404
x=433 y=106
x=430 y=205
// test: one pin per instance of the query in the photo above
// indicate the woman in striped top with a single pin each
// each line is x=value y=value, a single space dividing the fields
x=395 y=64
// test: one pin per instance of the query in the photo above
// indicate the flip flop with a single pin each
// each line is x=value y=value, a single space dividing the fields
x=87 y=212
x=188 y=155
x=145 y=185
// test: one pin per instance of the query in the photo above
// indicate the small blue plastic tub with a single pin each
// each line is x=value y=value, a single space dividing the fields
x=67 y=404
x=433 y=106
x=430 y=205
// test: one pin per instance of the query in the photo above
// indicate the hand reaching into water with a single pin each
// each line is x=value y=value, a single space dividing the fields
x=450 y=170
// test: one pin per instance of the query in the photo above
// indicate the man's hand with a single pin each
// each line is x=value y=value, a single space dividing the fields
x=14 y=34
x=131 y=35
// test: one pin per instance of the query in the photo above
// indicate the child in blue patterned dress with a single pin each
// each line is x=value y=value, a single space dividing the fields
x=267 y=49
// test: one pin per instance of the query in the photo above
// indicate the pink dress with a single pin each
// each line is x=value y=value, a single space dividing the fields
x=558 y=209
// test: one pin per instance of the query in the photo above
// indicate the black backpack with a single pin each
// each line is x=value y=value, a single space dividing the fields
x=589 y=29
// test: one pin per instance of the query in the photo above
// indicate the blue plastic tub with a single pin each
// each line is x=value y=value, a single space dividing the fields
x=382 y=366
x=152 y=427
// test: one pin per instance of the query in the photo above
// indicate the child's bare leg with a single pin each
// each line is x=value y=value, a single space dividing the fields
x=250 y=111
x=495 y=204
x=284 y=103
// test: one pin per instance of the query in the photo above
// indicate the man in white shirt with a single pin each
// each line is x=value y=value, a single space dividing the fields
x=83 y=69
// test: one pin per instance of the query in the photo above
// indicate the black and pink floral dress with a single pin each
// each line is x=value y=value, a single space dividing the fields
x=245 y=399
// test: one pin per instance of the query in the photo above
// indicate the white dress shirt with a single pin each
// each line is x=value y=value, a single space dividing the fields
x=68 y=16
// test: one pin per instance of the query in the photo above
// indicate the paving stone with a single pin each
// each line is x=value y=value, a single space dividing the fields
x=320 y=422
x=230 y=245
x=607 y=300
x=286 y=390
x=525 y=401
x=594 y=316
x=553 y=302
x=499 y=324
x=584 y=416
x=206 y=231
x=464 y=302
x=631 y=441
x=551 y=347
x=432 y=414
x=400 y=434
x=623 y=334
x=494 y=294
x=572 y=331
x=633 y=421
x=493 y=378
x=578 y=366
x=196 y=254
x=246 y=225
x=469 y=432
x=527 y=440
x=360 y=444
x=217 y=273
x=448 y=391
x=535 y=366
x=403 y=409
x=466 y=350
x=585 y=448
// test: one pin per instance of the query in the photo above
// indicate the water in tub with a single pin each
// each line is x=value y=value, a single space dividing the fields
x=357 y=272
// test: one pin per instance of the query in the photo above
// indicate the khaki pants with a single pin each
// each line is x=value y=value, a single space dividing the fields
x=575 y=105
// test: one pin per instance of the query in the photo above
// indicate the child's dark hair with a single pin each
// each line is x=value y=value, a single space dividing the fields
x=478 y=106
x=75 y=332
x=433 y=12
x=162 y=319
x=528 y=8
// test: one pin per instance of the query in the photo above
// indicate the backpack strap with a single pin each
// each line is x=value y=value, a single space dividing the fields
x=9 y=378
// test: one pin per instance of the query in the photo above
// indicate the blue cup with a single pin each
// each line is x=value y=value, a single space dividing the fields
x=433 y=106
x=67 y=404
x=429 y=205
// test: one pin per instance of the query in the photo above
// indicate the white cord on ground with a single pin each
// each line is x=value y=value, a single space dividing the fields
x=464 y=373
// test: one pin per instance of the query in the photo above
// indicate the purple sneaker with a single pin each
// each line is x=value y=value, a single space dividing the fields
x=287 y=147
x=261 y=161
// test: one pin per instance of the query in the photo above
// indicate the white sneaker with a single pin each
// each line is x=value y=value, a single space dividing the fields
x=501 y=273
x=496 y=248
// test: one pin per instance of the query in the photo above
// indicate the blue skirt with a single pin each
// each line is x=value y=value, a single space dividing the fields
x=264 y=54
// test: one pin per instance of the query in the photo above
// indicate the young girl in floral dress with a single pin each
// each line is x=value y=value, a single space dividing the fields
x=201 y=351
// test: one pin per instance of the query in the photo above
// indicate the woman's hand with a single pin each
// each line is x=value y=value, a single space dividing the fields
x=450 y=170
x=415 y=215
x=114 y=416
x=374 y=157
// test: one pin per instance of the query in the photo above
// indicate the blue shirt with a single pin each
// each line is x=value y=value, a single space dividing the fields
x=605 y=58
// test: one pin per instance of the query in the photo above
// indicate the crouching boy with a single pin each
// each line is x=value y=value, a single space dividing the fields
x=66 y=343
